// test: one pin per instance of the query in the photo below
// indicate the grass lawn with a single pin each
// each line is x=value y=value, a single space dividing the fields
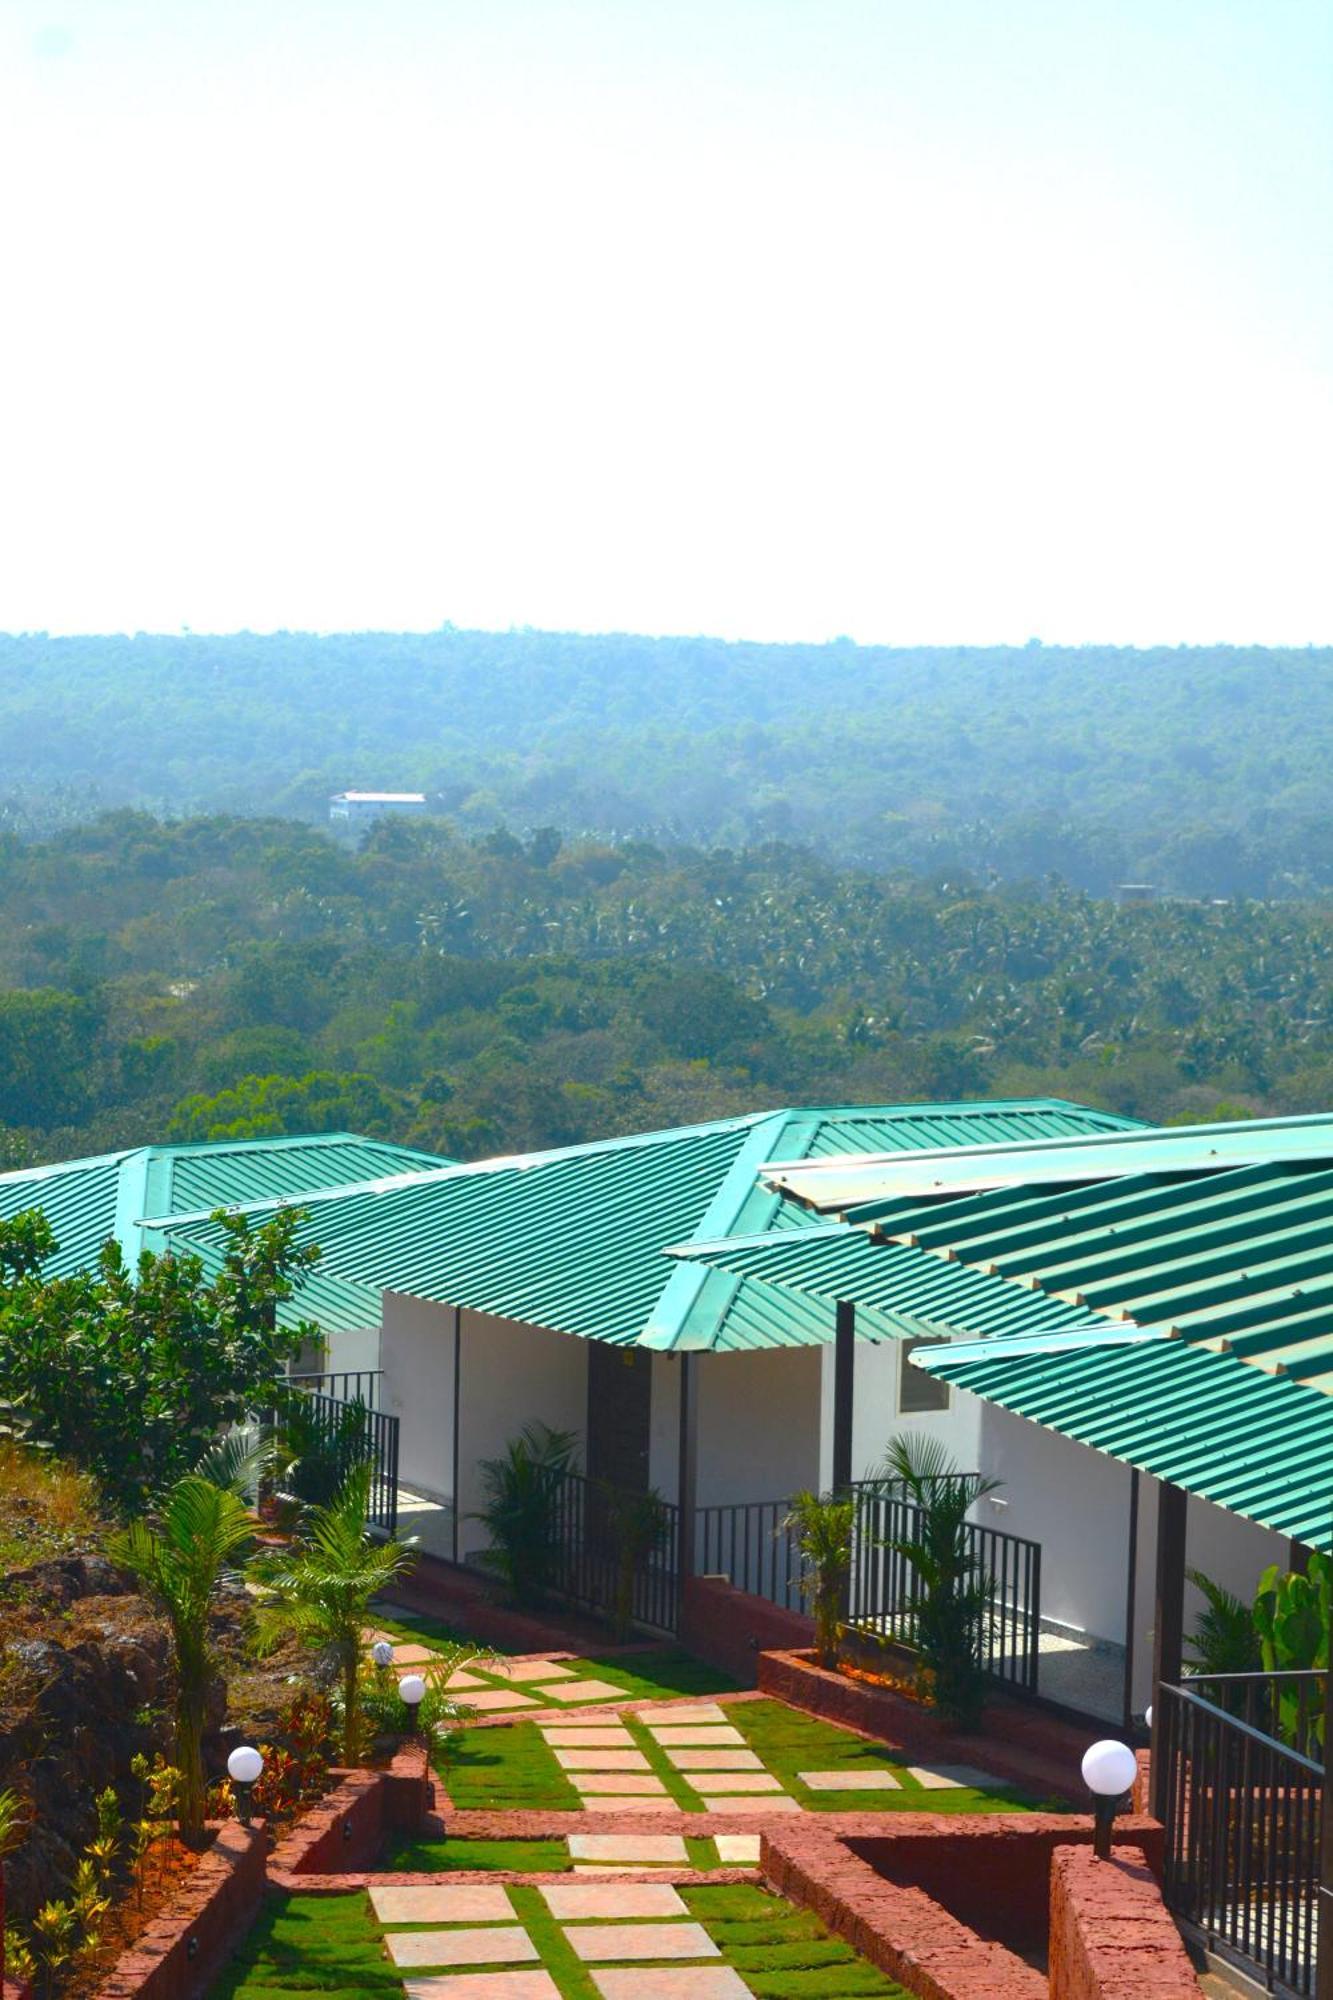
x=790 y=1741
x=655 y=1675
x=510 y=1769
x=332 y=1944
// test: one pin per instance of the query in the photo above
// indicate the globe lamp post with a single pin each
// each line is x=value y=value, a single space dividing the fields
x=244 y=1767
x=1109 y=1771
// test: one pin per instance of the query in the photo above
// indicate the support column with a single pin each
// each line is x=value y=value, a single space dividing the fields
x=454 y=1478
x=844 y=1392
x=1131 y=1580
x=687 y=1478
x=1168 y=1620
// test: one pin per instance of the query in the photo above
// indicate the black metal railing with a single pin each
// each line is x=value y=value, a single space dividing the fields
x=750 y=1544
x=589 y=1567
x=378 y=1444
x=1242 y=1813
x=886 y=1590
x=345 y=1385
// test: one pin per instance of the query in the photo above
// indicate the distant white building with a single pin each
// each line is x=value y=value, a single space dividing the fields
x=368 y=805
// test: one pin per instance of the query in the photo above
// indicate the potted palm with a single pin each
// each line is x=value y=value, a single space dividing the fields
x=822 y=1524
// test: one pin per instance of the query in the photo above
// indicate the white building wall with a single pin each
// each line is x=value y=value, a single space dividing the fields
x=664 y=1427
x=877 y=1416
x=512 y=1375
x=759 y=1424
x=352 y=1348
x=417 y=1387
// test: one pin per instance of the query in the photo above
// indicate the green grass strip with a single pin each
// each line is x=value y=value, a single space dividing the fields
x=518 y=1857
x=781 y=1952
x=789 y=1741
x=508 y=1769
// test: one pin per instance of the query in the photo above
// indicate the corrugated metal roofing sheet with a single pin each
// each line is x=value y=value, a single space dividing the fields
x=862 y=1190
x=79 y=1201
x=574 y=1239
x=119 y=1194
x=1241 y=1262
x=1257 y=1444
x=913 y=1294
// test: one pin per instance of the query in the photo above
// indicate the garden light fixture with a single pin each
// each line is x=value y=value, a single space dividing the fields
x=1109 y=1771
x=244 y=1767
x=382 y=1653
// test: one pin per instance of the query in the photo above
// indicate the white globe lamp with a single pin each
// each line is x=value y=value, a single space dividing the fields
x=244 y=1767
x=1109 y=1771
x=382 y=1653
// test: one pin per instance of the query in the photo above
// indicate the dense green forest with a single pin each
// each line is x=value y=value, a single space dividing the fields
x=477 y=993
x=1203 y=770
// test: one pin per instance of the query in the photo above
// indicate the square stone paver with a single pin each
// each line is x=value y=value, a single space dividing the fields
x=682 y=1711
x=671 y=1982
x=529 y=1670
x=602 y=1760
x=575 y=1690
x=769 y=1802
x=460 y=1678
x=611 y=1802
x=627 y=1848
x=946 y=1777
x=441 y=1903
x=486 y=1986
x=697 y=1736
x=486 y=1947
x=414 y=1656
x=372 y=1636
x=605 y=1868
x=737 y=1850
x=572 y=1901
x=850 y=1781
x=580 y=1736
x=709 y=1783
x=488 y=1700
x=642 y=1784
x=601 y=1941
x=715 y=1760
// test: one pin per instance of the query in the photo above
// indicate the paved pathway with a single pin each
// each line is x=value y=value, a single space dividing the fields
x=637 y=1939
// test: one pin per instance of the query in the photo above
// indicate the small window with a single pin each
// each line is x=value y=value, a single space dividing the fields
x=918 y=1392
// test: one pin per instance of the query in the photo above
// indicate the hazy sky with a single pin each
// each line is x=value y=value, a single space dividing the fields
x=908 y=319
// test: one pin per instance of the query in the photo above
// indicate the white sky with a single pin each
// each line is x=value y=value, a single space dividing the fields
x=916 y=320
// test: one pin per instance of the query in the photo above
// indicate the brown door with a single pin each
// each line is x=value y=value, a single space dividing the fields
x=619 y=1409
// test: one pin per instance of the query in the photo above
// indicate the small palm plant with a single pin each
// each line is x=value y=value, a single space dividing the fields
x=822 y=1526
x=955 y=1592
x=179 y=1559
x=638 y=1525
x=519 y=1490
x=320 y=1590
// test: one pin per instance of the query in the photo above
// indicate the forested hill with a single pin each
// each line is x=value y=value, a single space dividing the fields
x=218 y=977
x=1202 y=770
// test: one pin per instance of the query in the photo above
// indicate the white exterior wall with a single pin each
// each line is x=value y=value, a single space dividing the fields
x=356 y=1348
x=876 y=1417
x=759 y=1423
x=664 y=1428
x=417 y=1387
x=512 y=1375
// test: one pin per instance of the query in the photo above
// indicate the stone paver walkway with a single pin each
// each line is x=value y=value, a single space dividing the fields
x=671 y=1982
x=495 y=1946
x=531 y=1984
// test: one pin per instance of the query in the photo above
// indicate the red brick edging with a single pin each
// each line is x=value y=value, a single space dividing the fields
x=181 y=1951
x=1111 y=1936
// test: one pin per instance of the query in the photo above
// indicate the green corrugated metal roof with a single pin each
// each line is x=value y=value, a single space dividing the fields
x=573 y=1239
x=120 y=1194
x=1259 y=1445
x=912 y=1293
x=79 y=1200
x=864 y=1190
x=1240 y=1261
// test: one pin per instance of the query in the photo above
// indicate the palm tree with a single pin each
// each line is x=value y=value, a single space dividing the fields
x=321 y=1588
x=955 y=1592
x=521 y=1489
x=822 y=1525
x=199 y=1526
